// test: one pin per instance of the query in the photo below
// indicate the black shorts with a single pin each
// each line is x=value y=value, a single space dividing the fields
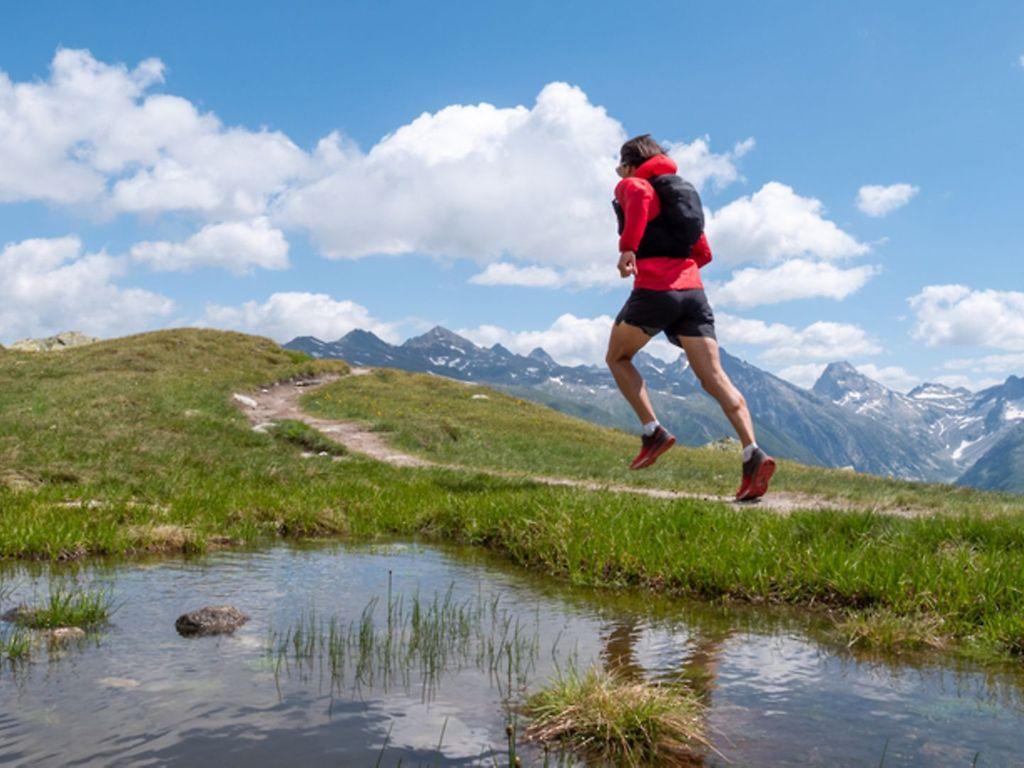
x=677 y=313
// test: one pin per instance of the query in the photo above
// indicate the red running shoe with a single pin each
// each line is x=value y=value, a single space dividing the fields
x=757 y=473
x=652 y=446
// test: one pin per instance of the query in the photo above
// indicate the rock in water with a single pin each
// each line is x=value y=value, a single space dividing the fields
x=20 y=614
x=63 y=340
x=211 y=620
x=65 y=634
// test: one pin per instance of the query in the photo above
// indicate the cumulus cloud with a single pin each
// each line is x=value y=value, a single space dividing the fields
x=476 y=182
x=893 y=376
x=237 y=246
x=802 y=374
x=775 y=223
x=503 y=273
x=958 y=315
x=283 y=316
x=994 y=368
x=483 y=182
x=972 y=383
x=820 y=341
x=876 y=200
x=570 y=340
x=1006 y=364
x=92 y=133
x=51 y=284
x=794 y=279
x=576 y=340
x=699 y=165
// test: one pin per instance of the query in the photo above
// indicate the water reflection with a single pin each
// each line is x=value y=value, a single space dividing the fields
x=776 y=694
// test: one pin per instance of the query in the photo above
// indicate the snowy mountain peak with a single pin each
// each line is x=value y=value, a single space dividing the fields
x=841 y=383
x=931 y=390
x=541 y=356
x=498 y=349
x=440 y=335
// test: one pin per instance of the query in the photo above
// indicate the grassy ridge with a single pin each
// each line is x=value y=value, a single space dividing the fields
x=453 y=422
x=134 y=444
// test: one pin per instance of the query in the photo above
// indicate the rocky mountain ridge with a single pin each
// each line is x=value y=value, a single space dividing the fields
x=845 y=420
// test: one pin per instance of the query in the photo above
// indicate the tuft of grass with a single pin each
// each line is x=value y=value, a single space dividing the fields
x=428 y=637
x=883 y=629
x=608 y=719
x=86 y=609
x=15 y=645
x=304 y=436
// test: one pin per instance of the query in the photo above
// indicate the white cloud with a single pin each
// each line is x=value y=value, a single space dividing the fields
x=237 y=246
x=485 y=183
x=283 y=316
x=92 y=134
x=824 y=341
x=802 y=374
x=1021 y=60
x=570 y=340
x=50 y=284
x=1011 y=363
x=967 y=382
x=503 y=273
x=699 y=165
x=774 y=224
x=893 y=376
x=876 y=200
x=794 y=279
x=476 y=182
x=958 y=315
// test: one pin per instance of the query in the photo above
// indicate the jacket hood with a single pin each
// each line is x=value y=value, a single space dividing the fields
x=656 y=166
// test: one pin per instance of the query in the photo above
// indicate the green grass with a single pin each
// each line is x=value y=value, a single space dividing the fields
x=614 y=721
x=302 y=435
x=134 y=445
x=15 y=645
x=440 y=419
x=85 y=609
x=418 y=638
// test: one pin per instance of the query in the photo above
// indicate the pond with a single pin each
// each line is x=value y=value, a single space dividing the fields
x=281 y=691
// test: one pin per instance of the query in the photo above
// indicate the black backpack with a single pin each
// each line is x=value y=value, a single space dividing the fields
x=679 y=225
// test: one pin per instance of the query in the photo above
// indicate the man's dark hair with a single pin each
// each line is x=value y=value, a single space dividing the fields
x=638 y=149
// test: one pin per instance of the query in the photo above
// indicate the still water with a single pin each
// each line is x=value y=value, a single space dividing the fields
x=777 y=693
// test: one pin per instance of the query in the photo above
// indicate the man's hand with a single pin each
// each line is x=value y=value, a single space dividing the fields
x=627 y=264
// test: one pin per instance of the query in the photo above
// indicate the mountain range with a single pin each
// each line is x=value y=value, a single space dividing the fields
x=846 y=419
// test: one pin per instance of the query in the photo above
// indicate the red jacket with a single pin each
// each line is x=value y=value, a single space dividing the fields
x=640 y=205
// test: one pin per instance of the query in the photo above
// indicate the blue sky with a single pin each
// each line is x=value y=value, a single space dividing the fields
x=228 y=205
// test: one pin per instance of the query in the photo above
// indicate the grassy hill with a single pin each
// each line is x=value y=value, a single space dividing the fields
x=453 y=422
x=134 y=444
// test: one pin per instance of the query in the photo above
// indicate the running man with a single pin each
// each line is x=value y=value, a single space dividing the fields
x=662 y=244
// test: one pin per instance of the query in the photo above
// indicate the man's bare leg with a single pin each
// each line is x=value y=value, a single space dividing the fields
x=626 y=340
x=703 y=355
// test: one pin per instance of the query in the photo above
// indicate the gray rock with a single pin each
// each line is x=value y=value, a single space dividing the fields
x=65 y=634
x=63 y=340
x=211 y=620
x=20 y=614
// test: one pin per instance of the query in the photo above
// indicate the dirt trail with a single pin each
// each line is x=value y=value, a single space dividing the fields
x=281 y=401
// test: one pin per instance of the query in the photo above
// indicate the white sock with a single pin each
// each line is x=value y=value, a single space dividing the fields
x=748 y=451
x=650 y=427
